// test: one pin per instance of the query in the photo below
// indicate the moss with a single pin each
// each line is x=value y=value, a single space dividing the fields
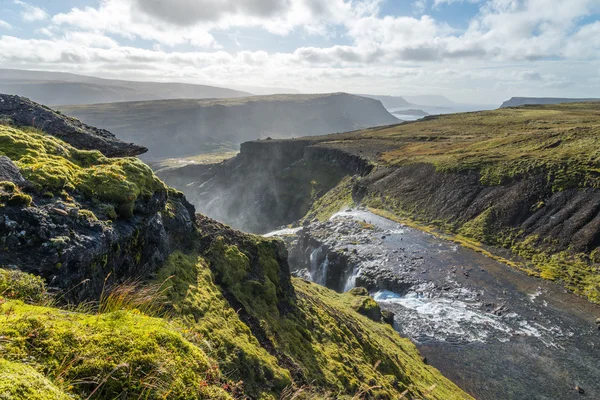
x=110 y=355
x=19 y=381
x=11 y=195
x=22 y=286
x=479 y=228
x=88 y=215
x=333 y=201
x=368 y=307
x=214 y=325
x=52 y=165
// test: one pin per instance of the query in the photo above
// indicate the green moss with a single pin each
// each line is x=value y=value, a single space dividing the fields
x=19 y=381
x=110 y=355
x=88 y=215
x=22 y=286
x=52 y=165
x=215 y=326
x=480 y=227
x=333 y=201
x=368 y=307
x=11 y=195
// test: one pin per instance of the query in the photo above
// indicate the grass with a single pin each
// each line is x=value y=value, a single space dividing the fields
x=561 y=140
x=53 y=166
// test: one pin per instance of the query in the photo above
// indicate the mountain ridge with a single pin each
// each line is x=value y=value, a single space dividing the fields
x=59 y=88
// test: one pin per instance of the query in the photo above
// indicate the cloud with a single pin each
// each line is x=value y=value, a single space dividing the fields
x=437 y=3
x=31 y=13
x=191 y=21
x=5 y=25
x=190 y=12
x=531 y=76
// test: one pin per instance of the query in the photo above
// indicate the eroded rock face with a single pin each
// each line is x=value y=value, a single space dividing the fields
x=70 y=246
x=24 y=112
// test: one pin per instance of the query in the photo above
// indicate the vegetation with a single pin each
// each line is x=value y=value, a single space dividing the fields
x=561 y=140
x=318 y=347
x=10 y=194
x=333 y=201
x=222 y=320
x=54 y=166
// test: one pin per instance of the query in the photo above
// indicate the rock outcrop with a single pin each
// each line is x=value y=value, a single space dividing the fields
x=21 y=111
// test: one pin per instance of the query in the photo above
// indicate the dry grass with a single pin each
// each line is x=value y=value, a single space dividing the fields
x=132 y=295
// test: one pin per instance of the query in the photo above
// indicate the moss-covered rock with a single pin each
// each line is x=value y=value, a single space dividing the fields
x=53 y=165
x=19 y=381
x=22 y=286
x=117 y=354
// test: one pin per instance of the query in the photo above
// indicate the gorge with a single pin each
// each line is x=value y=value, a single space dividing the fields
x=494 y=200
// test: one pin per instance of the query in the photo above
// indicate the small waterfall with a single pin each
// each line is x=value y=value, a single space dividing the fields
x=351 y=279
x=318 y=266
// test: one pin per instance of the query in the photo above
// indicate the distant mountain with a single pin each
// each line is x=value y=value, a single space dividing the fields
x=520 y=101
x=58 y=88
x=412 y=111
x=431 y=100
x=180 y=128
x=389 y=101
x=264 y=90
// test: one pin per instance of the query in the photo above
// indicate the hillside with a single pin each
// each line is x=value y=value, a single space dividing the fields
x=57 y=88
x=520 y=101
x=389 y=101
x=111 y=287
x=180 y=128
x=524 y=180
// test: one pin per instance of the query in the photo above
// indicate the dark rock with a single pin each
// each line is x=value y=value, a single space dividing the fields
x=24 y=112
x=10 y=172
x=388 y=317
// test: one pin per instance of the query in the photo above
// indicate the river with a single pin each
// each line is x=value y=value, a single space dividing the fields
x=493 y=330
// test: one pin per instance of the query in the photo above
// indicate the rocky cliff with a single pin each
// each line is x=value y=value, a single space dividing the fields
x=178 y=128
x=270 y=183
x=110 y=288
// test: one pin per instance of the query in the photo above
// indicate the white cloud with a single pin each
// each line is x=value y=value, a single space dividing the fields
x=190 y=21
x=437 y=3
x=31 y=13
x=5 y=25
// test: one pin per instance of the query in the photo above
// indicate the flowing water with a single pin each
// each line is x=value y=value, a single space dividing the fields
x=495 y=331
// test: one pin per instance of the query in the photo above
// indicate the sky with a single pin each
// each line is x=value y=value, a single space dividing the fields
x=472 y=51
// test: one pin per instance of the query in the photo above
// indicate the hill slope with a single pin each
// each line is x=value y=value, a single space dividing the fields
x=520 y=101
x=57 y=88
x=177 y=128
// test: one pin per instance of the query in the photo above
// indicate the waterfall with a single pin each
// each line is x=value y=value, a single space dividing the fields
x=318 y=266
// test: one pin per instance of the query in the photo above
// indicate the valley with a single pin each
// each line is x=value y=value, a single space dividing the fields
x=183 y=128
